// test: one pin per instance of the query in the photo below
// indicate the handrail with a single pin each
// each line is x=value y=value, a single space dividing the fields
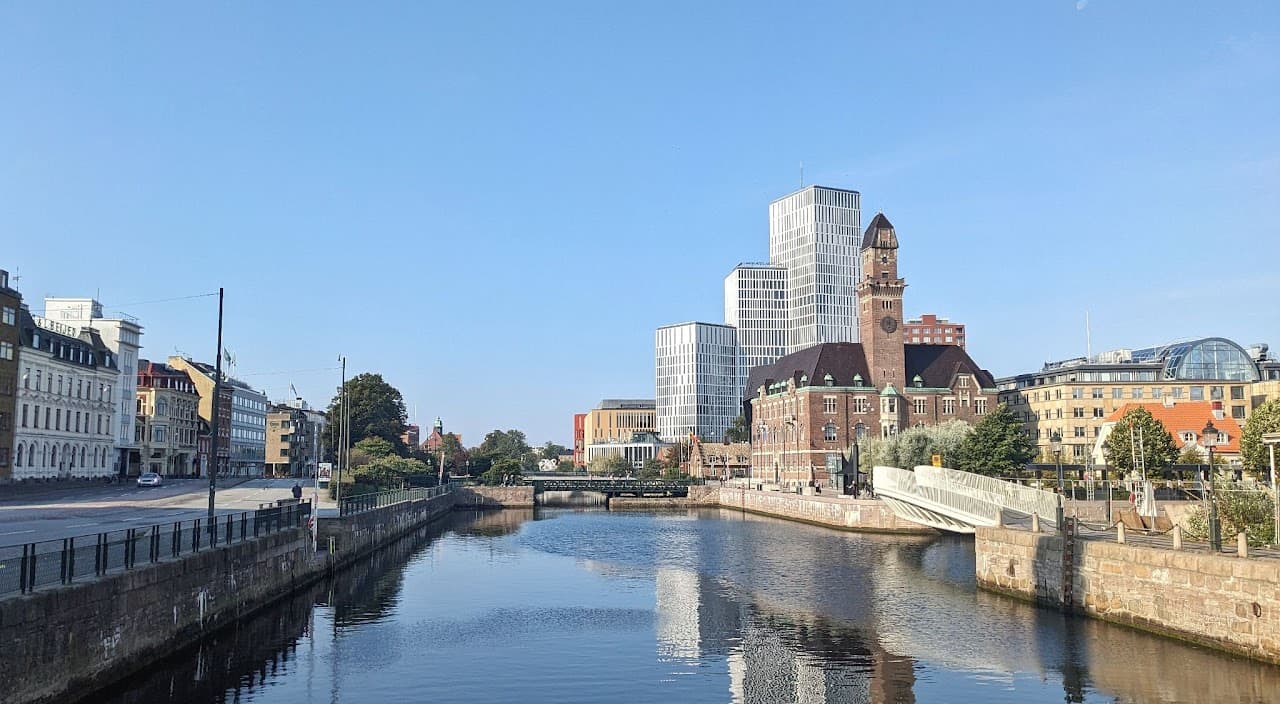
x=28 y=566
x=360 y=503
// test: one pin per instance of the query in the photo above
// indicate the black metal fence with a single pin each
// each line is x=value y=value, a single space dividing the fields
x=351 y=505
x=30 y=566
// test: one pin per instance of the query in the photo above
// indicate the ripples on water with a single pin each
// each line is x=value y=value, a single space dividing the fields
x=705 y=606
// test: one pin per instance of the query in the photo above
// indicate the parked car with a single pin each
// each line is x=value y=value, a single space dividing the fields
x=150 y=479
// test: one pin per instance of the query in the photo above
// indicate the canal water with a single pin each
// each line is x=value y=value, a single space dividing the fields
x=709 y=605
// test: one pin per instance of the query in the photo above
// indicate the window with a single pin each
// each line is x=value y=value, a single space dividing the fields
x=159 y=433
x=1117 y=393
x=1176 y=392
x=1077 y=450
x=1096 y=393
x=964 y=382
x=1197 y=393
x=9 y=316
x=860 y=404
x=1078 y=431
x=1077 y=393
x=1077 y=412
x=948 y=406
x=919 y=405
x=1157 y=392
x=162 y=407
x=829 y=432
x=6 y=350
x=1137 y=392
x=980 y=406
x=1098 y=412
x=24 y=415
x=1237 y=412
x=1188 y=437
x=828 y=406
x=1215 y=393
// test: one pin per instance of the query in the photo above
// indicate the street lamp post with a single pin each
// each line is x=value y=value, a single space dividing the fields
x=1209 y=438
x=1055 y=443
x=790 y=421
x=1271 y=440
x=858 y=431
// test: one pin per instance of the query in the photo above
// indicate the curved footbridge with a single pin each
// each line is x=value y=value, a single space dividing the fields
x=955 y=501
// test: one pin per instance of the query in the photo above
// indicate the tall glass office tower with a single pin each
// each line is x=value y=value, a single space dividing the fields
x=696 y=377
x=755 y=302
x=814 y=234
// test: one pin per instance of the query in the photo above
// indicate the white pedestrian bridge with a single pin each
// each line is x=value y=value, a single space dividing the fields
x=955 y=501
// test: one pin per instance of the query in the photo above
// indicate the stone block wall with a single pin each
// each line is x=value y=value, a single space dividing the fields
x=494 y=497
x=844 y=513
x=62 y=643
x=362 y=533
x=1221 y=601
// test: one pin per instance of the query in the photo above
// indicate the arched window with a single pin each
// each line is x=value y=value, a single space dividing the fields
x=17 y=462
x=53 y=456
x=829 y=432
x=82 y=451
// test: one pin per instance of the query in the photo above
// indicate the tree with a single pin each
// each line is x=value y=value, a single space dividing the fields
x=565 y=466
x=1265 y=419
x=1192 y=455
x=998 y=444
x=738 y=432
x=916 y=446
x=676 y=455
x=610 y=466
x=1156 y=446
x=652 y=469
x=502 y=470
x=374 y=447
x=552 y=451
x=1239 y=511
x=497 y=443
x=377 y=411
x=389 y=471
x=455 y=455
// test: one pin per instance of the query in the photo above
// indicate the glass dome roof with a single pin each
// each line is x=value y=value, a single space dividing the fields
x=1208 y=359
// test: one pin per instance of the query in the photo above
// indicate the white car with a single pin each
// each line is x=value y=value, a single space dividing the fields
x=150 y=479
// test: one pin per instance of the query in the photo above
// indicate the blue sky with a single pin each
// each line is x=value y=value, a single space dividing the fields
x=495 y=204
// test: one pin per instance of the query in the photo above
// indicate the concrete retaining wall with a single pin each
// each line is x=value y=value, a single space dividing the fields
x=868 y=515
x=494 y=497
x=698 y=496
x=362 y=533
x=1221 y=601
x=57 y=644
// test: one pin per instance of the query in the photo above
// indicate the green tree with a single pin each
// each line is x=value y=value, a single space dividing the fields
x=671 y=474
x=916 y=446
x=377 y=411
x=1265 y=419
x=652 y=469
x=1239 y=511
x=610 y=466
x=498 y=443
x=677 y=454
x=738 y=432
x=389 y=471
x=552 y=451
x=374 y=447
x=565 y=466
x=998 y=445
x=1191 y=455
x=1157 y=444
x=502 y=470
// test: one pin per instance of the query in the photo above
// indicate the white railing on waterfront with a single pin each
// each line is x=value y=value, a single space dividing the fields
x=1007 y=495
x=955 y=500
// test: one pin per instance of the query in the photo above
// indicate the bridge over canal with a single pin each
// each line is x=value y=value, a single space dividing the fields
x=958 y=502
x=573 y=490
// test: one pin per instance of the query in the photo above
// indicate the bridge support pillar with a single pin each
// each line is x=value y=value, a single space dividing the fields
x=1035 y=523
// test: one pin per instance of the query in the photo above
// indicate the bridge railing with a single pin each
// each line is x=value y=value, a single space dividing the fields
x=351 y=505
x=80 y=558
x=974 y=507
x=1007 y=495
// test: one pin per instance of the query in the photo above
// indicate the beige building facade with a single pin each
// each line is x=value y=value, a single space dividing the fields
x=617 y=420
x=167 y=422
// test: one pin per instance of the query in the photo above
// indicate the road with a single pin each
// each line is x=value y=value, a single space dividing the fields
x=35 y=514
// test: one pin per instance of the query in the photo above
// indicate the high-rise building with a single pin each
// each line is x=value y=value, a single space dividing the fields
x=814 y=234
x=123 y=336
x=697 y=387
x=755 y=302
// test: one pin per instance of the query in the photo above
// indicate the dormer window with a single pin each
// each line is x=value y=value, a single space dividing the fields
x=828 y=380
x=857 y=380
x=918 y=381
x=804 y=379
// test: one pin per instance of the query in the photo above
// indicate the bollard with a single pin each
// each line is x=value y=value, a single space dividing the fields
x=1035 y=523
x=1120 y=533
x=1177 y=537
x=999 y=518
x=1242 y=545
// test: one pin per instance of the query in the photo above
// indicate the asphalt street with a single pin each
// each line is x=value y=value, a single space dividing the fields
x=32 y=514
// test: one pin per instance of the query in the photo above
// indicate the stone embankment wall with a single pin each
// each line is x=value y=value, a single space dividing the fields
x=698 y=496
x=844 y=513
x=362 y=533
x=494 y=497
x=1221 y=601
x=62 y=643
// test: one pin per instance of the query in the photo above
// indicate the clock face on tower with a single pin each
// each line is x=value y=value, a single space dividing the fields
x=888 y=324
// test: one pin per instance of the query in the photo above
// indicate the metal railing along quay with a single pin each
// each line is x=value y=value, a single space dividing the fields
x=29 y=566
x=351 y=505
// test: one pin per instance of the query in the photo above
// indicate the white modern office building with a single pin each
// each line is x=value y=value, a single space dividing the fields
x=814 y=234
x=755 y=302
x=123 y=336
x=248 y=429
x=696 y=372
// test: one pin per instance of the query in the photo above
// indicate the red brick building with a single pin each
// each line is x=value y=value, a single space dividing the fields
x=929 y=329
x=806 y=409
x=579 y=439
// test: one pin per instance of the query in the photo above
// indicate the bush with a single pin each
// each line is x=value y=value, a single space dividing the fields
x=1248 y=512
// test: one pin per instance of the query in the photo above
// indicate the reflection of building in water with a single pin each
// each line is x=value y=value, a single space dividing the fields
x=677 y=613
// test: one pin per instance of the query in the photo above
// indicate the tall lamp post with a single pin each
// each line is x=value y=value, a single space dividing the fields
x=1055 y=444
x=791 y=423
x=858 y=430
x=1209 y=438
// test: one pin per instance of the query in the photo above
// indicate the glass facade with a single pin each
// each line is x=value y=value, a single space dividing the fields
x=755 y=302
x=1211 y=358
x=696 y=375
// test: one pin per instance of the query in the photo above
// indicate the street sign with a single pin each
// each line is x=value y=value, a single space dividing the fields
x=936 y=460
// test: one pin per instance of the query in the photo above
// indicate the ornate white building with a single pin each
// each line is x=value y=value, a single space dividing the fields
x=66 y=402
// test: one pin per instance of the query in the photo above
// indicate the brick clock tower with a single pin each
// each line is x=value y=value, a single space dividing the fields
x=880 y=321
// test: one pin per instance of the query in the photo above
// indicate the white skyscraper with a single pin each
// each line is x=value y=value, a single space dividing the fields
x=755 y=302
x=814 y=234
x=123 y=336
x=696 y=374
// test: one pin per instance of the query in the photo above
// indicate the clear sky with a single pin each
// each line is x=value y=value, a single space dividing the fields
x=495 y=204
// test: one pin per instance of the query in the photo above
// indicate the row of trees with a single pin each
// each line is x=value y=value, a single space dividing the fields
x=996 y=445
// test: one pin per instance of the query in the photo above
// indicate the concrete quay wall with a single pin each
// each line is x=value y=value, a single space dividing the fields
x=64 y=643
x=1220 y=601
x=349 y=537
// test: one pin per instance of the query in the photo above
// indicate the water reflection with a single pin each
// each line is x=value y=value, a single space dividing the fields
x=711 y=606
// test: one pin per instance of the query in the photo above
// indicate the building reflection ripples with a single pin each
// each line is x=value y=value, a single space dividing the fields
x=732 y=607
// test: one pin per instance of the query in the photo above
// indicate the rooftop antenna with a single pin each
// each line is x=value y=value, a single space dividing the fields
x=1088 y=337
x=802 y=174
x=17 y=276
